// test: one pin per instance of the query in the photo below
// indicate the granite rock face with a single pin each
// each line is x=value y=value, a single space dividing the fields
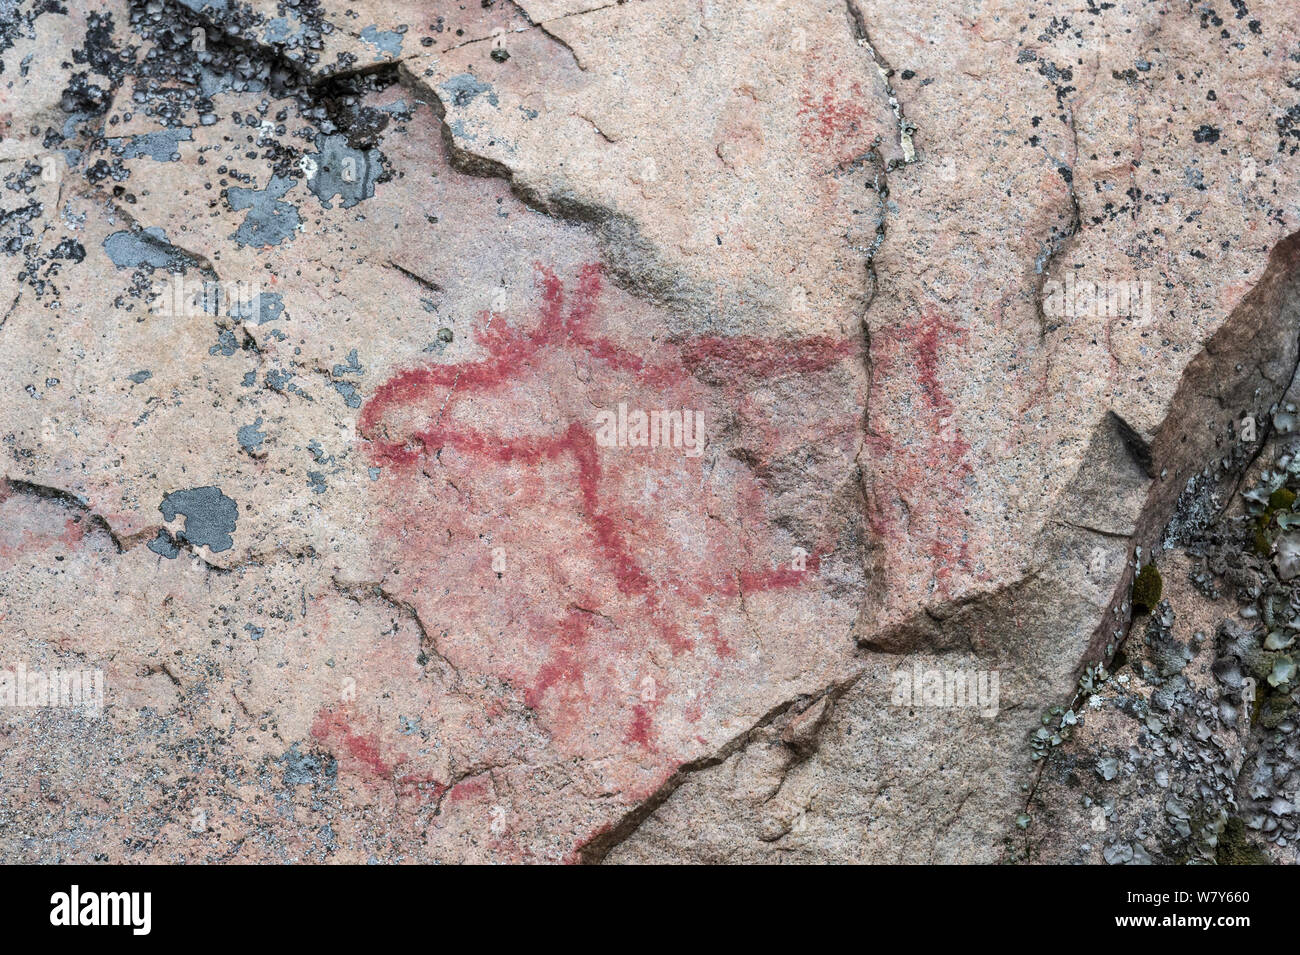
x=658 y=430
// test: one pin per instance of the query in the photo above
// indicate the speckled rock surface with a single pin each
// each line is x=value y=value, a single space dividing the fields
x=334 y=336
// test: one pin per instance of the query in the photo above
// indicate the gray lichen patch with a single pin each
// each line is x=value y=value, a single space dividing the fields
x=386 y=41
x=130 y=249
x=464 y=88
x=161 y=145
x=210 y=516
x=1150 y=775
x=281 y=382
x=351 y=396
x=270 y=221
x=343 y=171
x=262 y=308
x=226 y=344
x=308 y=769
x=353 y=367
x=164 y=545
x=250 y=438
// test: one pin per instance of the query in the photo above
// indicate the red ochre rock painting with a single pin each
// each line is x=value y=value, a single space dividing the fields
x=920 y=459
x=605 y=584
x=835 y=121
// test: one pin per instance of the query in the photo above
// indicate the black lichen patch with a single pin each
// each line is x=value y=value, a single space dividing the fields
x=1206 y=134
x=69 y=249
x=18 y=20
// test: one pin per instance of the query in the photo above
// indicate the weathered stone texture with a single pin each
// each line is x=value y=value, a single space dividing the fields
x=310 y=318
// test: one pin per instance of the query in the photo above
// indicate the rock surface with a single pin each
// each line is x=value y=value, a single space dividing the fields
x=334 y=335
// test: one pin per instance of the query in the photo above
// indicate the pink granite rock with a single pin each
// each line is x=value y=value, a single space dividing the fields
x=673 y=431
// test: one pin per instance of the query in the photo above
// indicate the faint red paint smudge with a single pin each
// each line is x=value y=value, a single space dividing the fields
x=933 y=479
x=640 y=732
x=763 y=358
x=332 y=727
x=468 y=789
x=364 y=751
x=833 y=118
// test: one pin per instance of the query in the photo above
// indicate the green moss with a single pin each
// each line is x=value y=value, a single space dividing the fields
x=1235 y=847
x=1272 y=709
x=1263 y=546
x=1281 y=499
x=1147 y=588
